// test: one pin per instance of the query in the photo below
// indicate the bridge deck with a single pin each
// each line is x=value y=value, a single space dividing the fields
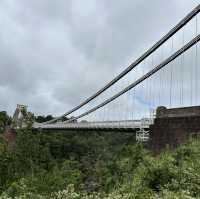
x=108 y=125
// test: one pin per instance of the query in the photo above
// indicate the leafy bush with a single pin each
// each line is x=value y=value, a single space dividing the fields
x=96 y=166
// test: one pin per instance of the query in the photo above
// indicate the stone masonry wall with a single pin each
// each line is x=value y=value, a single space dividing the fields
x=173 y=131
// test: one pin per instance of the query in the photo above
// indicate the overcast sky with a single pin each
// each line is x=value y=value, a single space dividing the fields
x=53 y=54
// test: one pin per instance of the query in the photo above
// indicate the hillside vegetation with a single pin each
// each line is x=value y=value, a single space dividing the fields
x=94 y=165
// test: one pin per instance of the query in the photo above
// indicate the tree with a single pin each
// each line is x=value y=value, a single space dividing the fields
x=41 y=119
x=5 y=120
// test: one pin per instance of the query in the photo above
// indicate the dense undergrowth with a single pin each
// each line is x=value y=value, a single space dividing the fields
x=89 y=165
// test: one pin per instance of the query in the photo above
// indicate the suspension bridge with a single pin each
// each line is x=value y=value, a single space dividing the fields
x=166 y=75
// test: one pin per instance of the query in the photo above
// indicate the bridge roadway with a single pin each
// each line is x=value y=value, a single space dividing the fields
x=125 y=125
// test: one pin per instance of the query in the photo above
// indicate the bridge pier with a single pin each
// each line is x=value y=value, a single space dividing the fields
x=173 y=127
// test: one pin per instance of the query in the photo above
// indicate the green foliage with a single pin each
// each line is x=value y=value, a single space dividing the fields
x=41 y=119
x=89 y=165
x=47 y=118
x=5 y=120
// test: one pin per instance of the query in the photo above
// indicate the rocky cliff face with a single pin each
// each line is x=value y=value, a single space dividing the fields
x=10 y=137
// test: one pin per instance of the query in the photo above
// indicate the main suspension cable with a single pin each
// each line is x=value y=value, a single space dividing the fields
x=146 y=76
x=182 y=23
